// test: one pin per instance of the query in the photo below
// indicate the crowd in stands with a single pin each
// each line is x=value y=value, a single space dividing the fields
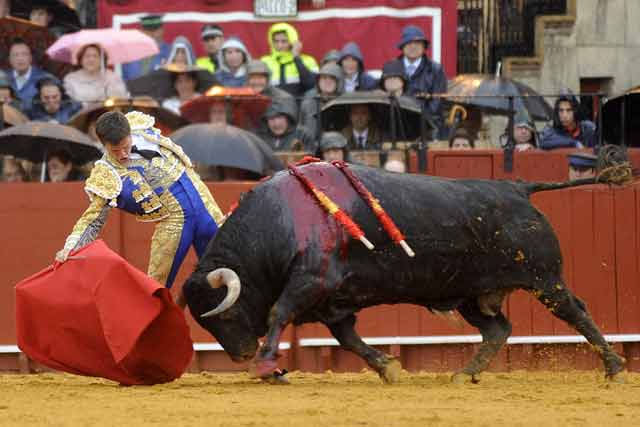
x=296 y=84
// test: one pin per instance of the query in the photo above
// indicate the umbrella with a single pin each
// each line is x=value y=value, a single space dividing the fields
x=12 y=116
x=246 y=105
x=37 y=37
x=491 y=93
x=159 y=83
x=64 y=17
x=227 y=146
x=335 y=113
x=166 y=120
x=33 y=140
x=622 y=112
x=121 y=45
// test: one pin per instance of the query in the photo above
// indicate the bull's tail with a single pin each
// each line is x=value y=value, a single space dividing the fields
x=613 y=167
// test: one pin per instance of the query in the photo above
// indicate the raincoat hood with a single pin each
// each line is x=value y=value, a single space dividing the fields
x=233 y=42
x=352 y=49
x=278 y=107
x=334 y=71
x=291 y=33
x=182 y=42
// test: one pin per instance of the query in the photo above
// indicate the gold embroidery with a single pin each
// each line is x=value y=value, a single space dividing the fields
x=207 y=199
x=139 y=121
x=165 y=241
x=152 y=205
x=159 y=214
x=104 y=182
x=86 y=219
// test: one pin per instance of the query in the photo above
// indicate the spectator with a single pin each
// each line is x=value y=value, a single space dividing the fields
x=7 y=95
x=23 y=76
x=291 y=70
x=332 y=56
x=423 y=75
x=218 y=114
x=93 y=82
x=185 y=85
x=212 y=38
x=40 y=15
x=181 y=52
x=393 y=80
x=461 y=140
x=352 y=63
x=12 y=170
x=60 y=168
x=259 y=79
x=568 y=130
x=333 y=146
x=5 y=8
x=524 y=133
x=582 y=165
x=233 y=59
x=329 y=84
x=362 y=134
x=281 y=132
x=52 y=104
x=151 y=26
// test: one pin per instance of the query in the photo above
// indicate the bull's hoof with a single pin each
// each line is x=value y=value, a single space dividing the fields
x=619 y=378
x=263 y=369
x=390 y=374
x=463 y=378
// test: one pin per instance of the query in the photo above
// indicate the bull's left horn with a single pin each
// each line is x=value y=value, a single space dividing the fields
x=224 y=277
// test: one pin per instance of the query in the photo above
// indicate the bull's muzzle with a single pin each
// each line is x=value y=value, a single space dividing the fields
x=224 y=277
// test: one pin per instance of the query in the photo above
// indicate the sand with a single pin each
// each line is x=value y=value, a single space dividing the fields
x=329 y=399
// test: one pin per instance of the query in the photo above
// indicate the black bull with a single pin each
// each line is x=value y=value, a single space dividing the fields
x=475 y=242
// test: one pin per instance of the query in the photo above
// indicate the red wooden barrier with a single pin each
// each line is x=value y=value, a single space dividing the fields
x=597 y=227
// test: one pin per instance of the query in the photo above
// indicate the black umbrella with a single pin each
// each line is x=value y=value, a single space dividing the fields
x=34 y=140
x=491 y=94
x=335 y=113
x=620 y=124
x=159 y=83
x=227 y=146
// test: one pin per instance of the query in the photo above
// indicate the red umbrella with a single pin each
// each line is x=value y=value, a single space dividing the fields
x=97 y=315
x=246 y=105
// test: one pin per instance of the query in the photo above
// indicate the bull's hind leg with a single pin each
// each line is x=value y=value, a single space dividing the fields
x=386 y=366
x=565 y=305
x=494 y=329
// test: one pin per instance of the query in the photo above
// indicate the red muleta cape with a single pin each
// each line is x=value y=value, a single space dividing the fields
x=100 y=316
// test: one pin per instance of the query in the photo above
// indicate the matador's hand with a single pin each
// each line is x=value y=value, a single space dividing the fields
x=62 y=255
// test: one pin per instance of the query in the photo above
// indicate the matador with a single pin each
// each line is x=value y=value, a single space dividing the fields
x=146 y=174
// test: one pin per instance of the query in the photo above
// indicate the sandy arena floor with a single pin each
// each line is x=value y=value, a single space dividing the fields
x=509 y=399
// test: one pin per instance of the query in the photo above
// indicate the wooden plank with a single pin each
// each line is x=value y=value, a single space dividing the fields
x=627 y=238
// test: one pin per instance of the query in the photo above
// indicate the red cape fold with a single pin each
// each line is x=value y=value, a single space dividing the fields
x=100 y=316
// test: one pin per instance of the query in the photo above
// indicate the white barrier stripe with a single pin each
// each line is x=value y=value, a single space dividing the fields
x=468 y=339
x=435 y=13
x=198 y=346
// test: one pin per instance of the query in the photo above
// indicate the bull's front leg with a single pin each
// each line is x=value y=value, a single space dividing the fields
x=386 y=366
x=300 y=294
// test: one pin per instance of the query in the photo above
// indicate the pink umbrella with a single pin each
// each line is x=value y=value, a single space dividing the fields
x=120 y=45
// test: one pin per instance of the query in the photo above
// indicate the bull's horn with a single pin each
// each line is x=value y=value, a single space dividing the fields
x=224 y=277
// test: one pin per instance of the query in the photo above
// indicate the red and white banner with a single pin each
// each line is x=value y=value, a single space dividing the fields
x=375 y=25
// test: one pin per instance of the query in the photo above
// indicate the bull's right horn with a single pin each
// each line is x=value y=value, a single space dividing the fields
x=224 y=277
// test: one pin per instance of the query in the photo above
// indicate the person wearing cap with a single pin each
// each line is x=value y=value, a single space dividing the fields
x=233 y=58
x=151 y=26
x=333 y=146
x=524 y=133
x=281 y=130
x=259 y=79
x=352 y=62
x=393 y=79
x=212 y=38
x=582 y=165
x=423 y=74
x=291 y=70
x=329 y=85
x=52 y=104
x=23 y=75
x=568 y=129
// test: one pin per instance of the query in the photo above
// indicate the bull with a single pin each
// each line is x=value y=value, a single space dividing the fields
x=279 y=258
